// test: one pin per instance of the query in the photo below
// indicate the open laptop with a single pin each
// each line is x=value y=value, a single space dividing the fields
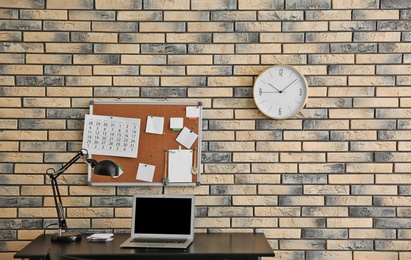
x=162 y=221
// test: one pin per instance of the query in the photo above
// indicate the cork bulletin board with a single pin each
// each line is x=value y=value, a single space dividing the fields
x=149 y=155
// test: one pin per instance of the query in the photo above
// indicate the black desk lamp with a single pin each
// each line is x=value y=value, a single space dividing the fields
x=104 y=167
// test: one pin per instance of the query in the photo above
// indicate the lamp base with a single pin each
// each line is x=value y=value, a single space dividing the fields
x=66 y=237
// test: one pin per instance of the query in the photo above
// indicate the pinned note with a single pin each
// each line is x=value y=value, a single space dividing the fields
x=192 y=112
x=186 y=137
x=179 y=165
x=176 y=123
x=155 y=125
x=145 y=172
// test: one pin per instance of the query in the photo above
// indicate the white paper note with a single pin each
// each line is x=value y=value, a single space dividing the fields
x=193 y=112
x=155 y=125
x=145 y=172
x=180 y=163
x=176 y=123
x=186 y=137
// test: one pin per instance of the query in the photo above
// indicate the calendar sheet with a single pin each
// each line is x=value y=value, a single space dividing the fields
x=112 y=136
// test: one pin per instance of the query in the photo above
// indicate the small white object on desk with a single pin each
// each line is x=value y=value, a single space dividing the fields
x=100 y=237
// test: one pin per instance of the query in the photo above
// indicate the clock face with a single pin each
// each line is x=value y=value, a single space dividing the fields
x=280 y=92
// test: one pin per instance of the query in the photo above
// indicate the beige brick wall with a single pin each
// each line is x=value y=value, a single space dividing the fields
x=332 y=182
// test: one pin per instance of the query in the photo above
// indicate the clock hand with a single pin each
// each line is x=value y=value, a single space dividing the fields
x=271 y=92
x=289 y=84
x=274 y=87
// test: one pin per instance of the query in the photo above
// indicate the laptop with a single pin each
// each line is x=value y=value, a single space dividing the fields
x=161 y=221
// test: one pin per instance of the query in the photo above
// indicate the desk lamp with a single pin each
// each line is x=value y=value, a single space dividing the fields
x=104 y=167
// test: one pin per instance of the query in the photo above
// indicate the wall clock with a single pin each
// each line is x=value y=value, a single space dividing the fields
x=280 y=91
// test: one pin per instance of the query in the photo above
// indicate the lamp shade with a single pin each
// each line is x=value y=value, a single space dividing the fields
x=107 y=168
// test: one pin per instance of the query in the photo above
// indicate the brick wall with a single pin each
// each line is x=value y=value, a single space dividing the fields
x=333 y=182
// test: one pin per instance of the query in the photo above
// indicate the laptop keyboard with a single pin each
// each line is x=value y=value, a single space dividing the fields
x=159 y=240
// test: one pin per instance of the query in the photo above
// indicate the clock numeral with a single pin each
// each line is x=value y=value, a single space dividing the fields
x=279 y=111
x=301 y=91
x=260 y=91
x=280 y=72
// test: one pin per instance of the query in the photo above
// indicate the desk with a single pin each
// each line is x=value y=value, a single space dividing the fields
x=222 y=246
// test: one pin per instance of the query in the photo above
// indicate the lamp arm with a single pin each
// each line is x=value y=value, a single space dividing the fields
x=56 y=192
x=59 y=205
x=67 y=165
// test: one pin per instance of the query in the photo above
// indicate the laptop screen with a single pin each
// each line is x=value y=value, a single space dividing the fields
x=169 y=215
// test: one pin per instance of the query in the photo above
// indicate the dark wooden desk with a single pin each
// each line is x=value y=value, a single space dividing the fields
x=224 y=246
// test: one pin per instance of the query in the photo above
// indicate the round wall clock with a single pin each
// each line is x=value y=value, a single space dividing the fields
x=280 y=91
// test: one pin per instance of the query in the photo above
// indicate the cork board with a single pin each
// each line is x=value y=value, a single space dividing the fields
x=152 y=148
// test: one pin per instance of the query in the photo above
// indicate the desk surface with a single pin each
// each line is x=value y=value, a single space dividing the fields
x=205 y=246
